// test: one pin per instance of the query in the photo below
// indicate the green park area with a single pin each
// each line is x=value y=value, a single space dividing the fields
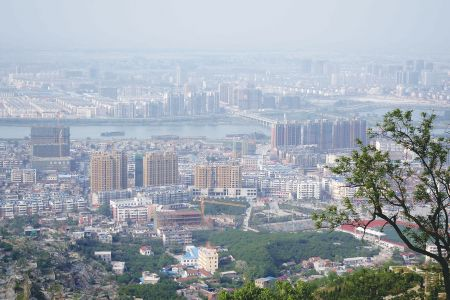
x=264 y=253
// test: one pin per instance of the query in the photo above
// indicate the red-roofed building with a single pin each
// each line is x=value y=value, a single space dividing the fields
x=146 y=250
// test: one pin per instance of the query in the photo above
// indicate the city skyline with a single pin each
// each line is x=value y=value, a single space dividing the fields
x=225 y=149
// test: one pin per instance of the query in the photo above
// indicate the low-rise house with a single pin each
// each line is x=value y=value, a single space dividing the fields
x=229 y=274
x=77 y=235
x=322 y=265
x=205 y=274
x=190 y=273
x=190 y=257
x=174 y=270
x=173 y=236
x=309 y=263
x=356 y=261
x=103 y=255
x=409 y=257
x=104 y=237
x=146 y=250
x=288 y=264
x=118 y=267
x=30 y=231
x=149 y=278
x=433 y=249
x=265 y=281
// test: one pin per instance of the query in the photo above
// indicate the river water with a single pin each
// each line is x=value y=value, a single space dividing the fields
x=209 y=130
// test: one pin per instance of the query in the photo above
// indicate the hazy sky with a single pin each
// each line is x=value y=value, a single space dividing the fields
x=388 y=25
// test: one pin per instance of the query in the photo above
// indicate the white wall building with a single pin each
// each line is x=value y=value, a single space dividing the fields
x=340 y=190
x=103 y=255
x=149 y=278
x=230 y=193
x=308 y=190
x=27 y=176
x=118 y=267
x=433 y=249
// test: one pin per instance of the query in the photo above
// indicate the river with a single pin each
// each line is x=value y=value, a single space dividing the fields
x=209 y=129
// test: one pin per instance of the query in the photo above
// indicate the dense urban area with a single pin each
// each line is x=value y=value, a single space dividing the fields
x=168 y=175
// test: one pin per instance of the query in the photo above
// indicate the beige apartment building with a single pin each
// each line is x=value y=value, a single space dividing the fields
x=218 y=176
x=208 y=259
x=160 y=168
x=108 y=171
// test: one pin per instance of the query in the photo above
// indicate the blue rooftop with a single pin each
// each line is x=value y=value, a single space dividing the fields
x=191 y=253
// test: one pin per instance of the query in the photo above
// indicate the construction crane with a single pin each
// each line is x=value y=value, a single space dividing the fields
x=204 y=200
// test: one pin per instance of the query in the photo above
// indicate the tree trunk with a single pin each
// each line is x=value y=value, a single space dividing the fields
x=446 y=275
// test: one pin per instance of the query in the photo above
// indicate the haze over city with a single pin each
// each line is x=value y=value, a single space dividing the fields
x=224 y=150
x=368 y=26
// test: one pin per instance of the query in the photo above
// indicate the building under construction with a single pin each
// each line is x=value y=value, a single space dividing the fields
x=50 y=148
x=178 y=218
x=50 y=141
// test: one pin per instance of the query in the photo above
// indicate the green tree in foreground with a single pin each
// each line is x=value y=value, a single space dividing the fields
x=281 y=290
x=393 y=189
x=165 y=289
x=362 y=284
